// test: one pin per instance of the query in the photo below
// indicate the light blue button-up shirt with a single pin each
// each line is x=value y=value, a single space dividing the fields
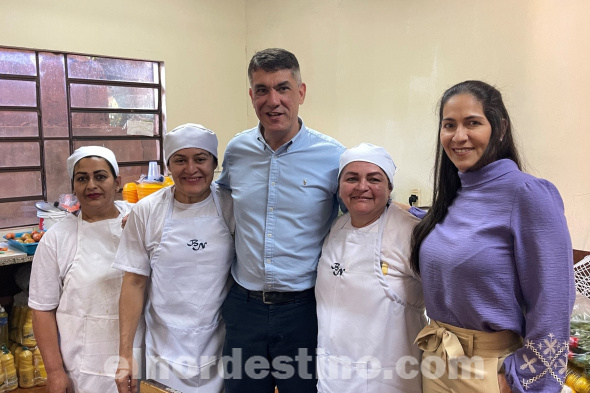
x=284 y=204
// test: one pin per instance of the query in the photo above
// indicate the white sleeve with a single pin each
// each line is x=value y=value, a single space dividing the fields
x=52 y=259
x=124 y=207
x=132 y=254
x=396 y=251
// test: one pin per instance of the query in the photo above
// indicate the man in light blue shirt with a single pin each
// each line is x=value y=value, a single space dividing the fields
x=283 y=178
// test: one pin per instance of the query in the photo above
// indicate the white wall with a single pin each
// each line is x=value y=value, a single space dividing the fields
x=375 y=70
x=201 y=42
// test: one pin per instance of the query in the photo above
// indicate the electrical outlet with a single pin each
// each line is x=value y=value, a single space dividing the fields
x=418 y=194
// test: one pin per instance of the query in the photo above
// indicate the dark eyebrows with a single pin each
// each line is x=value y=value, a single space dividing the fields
x=180 y=155
x=262 y=85
x=86 y=173
x=466 y=118
x=349 y=173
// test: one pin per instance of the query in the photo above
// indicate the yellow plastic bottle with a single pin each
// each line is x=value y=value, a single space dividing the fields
x=17 y=352
x=40 y=372
x=3 y=326
x=575 y=378
x=11 y=381
x=2 y=378
x=28 y=335
x=14 y=321
x=21 y=323
x=26 y=371
x=12 y=348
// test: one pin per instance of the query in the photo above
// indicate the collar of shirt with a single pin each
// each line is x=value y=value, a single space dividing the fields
x=294 y=143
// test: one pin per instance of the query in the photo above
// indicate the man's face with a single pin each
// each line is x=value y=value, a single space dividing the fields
x=276 y=97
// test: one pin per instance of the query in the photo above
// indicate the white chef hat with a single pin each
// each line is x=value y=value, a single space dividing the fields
x=88 y=151
x=369 y=153
x=187 y=136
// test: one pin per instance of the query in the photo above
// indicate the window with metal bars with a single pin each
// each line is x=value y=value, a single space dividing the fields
x=51 y=103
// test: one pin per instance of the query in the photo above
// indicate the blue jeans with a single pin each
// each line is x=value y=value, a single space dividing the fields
x=268 y=345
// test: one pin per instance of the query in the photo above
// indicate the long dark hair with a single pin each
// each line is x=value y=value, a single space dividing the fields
x=446 y=178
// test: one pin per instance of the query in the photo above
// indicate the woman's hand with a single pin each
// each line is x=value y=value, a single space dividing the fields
x=123 y=377
x=504 y=388
x=58 y=382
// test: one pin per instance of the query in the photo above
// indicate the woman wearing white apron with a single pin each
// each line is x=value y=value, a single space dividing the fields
x=369 y=303
x=177 y=246
x=74 y=291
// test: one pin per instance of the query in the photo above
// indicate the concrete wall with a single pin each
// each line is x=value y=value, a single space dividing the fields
x=374 y=69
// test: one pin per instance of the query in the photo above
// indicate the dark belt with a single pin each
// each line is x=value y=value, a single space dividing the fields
x=274 y=297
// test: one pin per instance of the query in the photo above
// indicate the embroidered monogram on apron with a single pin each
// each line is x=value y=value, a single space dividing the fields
x=189 y=282
x=364 y=326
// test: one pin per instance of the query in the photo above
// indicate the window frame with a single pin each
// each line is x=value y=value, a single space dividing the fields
x=159 y=112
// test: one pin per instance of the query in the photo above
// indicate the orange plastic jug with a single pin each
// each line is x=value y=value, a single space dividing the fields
x=130 y=192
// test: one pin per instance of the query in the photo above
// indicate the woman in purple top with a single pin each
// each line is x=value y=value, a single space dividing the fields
x=495 y=257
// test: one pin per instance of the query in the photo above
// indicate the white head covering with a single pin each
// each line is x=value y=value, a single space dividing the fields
x=187 y=136
x=369 y=153
x=87 y=151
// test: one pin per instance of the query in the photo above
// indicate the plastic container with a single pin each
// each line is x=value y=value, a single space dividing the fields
x=575 y=379
x=69 y=202
x=21 y=324
x=11 y=380
x=130 y=192
x=49 y=219
x=26 y=371
x=40 y=372
x=168 y=181
x=3 y=327
x=29 y=248
x=17 y=352
x=2 y=378
x=144 y=189
x=14 y=320
x=154 y=172
x=28 y=335
x=13 y=347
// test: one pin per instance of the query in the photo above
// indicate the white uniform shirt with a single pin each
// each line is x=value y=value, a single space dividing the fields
x=53 y=259
x=143 y=230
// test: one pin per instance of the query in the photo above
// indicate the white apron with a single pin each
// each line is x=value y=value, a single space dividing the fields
x=88 y=311
x=189 y=282
x=365 y=328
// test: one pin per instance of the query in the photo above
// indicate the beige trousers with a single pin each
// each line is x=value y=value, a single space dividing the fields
x=461 y=360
